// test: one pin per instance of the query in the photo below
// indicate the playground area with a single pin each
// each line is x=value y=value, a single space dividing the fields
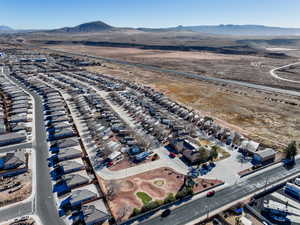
x=153 y=186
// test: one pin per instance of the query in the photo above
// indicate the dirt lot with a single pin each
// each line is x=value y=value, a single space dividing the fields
x=23 y=221
x=24 y=192
x=157 y=184
x=238 y=67
x=127 y=163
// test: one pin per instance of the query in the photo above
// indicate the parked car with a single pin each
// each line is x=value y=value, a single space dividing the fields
x=297 y=181
x=109 y=164
x=212 y=164
x=172 y=155
x=210 y=193
x=166 y=213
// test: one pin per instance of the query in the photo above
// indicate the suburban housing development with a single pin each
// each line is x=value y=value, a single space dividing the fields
x=171 y=113
x=117 y=151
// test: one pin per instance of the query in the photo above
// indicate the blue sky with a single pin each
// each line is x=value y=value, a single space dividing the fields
x=25 y=14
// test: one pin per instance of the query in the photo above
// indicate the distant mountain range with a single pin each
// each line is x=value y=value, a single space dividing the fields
x=237 y=30
x=256 y=30
x=5 y=28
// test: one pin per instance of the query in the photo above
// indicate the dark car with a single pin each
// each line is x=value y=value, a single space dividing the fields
x=172 y=155
x=166 y=213
x=210 y=193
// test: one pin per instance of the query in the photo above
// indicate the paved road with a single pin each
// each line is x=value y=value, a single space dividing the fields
x=15 y=211
x=190 y=75
x=273 y=74
x=44 y=201
x=200 y=207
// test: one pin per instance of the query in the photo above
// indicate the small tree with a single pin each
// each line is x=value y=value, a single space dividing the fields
x=204 y=155
x=185 y=192
x=159 y=202
x=113 y=189
x=238 y=221
x=170 y=198
x=149 y=206
x=135 y=212
x=291 y=150
x=214 y=152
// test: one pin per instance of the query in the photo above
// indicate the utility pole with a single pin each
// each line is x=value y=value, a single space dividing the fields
x=267 y=179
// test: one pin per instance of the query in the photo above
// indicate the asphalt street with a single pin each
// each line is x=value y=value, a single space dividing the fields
x=273 y=74
x=200 y=207
x=190 y=75
x=44 y=201
x=15 y=211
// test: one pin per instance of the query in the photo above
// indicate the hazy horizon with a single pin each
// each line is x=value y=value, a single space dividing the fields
x=33 y=14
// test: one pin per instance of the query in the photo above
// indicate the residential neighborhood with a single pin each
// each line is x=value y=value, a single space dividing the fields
x=116 y=151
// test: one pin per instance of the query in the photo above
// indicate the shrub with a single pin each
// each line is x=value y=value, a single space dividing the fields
x=291 y=150
x=135 y=212
x=149 y=206
x=159 y=202
x=144 y=197
x=170 y=198
x=185 y=192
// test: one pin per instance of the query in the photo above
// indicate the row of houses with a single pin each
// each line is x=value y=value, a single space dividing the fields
x=178 y=123
x=107 y=131
x=78 y=197
x=64 y=84
x=101 y=82
x=116 y=136
x=15 y=113
x=152 y=117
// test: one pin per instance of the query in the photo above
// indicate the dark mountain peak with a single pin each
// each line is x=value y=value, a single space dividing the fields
x=94 y=26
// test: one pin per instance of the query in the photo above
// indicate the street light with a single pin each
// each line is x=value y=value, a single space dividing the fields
x=207 y=211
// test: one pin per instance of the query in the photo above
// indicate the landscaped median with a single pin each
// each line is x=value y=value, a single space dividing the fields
x=139 y=194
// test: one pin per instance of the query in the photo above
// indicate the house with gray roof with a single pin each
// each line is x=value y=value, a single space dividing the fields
x=55 y=146
x=90 y=215
x=13 y=163
x=264 y=156
x=73 y=180
x=61 y=134
x=77 y=198
x=68 y=153
x=70 y=166
x=12 y=138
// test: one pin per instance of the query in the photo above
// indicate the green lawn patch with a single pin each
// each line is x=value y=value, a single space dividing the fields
x=144 y=197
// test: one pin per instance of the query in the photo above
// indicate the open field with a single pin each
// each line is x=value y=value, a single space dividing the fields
x=21 y=193
x=267 y=118
x=251 y=68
